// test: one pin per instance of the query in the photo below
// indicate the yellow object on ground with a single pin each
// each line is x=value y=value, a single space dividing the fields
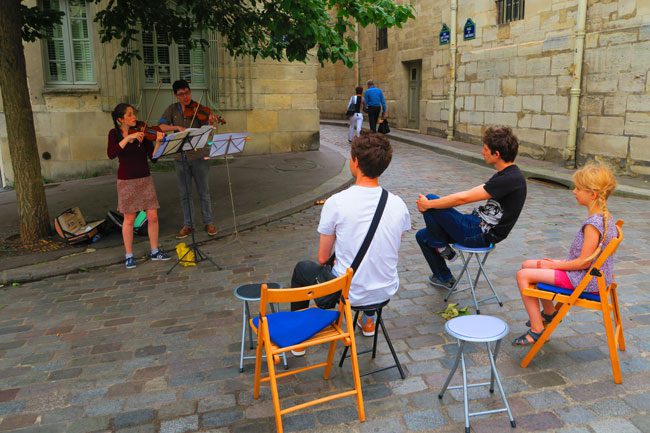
x=186 y=256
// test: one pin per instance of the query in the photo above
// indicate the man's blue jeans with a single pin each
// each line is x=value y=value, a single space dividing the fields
x=199 y=170
x=443 y=227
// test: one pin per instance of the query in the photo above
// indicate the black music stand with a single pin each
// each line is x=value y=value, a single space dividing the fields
x=182 y=142
x=225 y=145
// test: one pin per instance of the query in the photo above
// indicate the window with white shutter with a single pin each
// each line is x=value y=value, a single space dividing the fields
x=68 y=46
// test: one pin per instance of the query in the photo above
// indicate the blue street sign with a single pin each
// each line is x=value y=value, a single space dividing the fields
x=469 y=30
x=444 y=35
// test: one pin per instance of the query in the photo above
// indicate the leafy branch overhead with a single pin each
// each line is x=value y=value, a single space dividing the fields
x=276 y=29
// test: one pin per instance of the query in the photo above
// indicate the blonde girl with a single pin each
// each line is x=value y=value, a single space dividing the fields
x=593 y=185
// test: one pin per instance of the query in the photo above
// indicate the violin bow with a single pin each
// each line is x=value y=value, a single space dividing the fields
x=198 y=105
x=146 y=122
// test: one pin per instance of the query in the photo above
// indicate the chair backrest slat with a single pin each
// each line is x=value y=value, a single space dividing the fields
x=341 y=283
x=609 y=250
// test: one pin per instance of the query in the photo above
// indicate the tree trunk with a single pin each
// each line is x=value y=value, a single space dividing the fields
x=30 y=193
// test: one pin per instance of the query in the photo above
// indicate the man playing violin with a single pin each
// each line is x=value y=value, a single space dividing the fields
x=176 y=118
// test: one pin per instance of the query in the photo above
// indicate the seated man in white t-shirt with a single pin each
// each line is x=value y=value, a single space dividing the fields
x=344 y=223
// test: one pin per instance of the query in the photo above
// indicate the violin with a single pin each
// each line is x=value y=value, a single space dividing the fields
x=201 y=113
x=150 y=132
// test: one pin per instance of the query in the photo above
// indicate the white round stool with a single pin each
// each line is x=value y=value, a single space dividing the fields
x=247 y=293
x=477 y=329
x=466 y=254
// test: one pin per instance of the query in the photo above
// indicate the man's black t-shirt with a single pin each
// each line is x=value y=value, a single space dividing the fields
x=500 y=213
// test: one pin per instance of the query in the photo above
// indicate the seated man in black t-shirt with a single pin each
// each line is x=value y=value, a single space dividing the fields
x=505 y=193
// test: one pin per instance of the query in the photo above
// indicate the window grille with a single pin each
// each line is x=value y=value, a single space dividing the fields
x=68 y=47
x=510 y=10
x=382 y=38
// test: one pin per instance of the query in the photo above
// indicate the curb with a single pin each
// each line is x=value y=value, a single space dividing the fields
x=88 y=259
x=557 y=174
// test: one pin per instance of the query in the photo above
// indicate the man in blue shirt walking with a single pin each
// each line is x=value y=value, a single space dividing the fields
x=375 y=104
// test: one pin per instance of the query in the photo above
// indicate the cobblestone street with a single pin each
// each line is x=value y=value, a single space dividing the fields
x=140 y=351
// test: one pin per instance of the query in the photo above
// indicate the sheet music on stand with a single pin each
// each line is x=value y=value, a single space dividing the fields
x=226 y=144
x=190 y=138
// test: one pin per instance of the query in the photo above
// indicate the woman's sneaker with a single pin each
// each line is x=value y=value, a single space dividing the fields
x=130 y=263
x=159 y=255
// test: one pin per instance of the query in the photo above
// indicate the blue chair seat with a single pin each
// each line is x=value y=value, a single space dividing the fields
x=584 y=295
x=288 y=328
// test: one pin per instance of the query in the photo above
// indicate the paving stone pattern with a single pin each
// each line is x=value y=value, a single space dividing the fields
x=117 y=350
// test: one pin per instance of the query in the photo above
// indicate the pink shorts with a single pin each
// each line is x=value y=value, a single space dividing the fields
x=562 y=280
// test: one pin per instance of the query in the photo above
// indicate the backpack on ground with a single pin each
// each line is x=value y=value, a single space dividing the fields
x=71 y=226
x=140 y=225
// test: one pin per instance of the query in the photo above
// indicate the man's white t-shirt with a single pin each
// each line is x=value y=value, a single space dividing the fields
x=348 y=215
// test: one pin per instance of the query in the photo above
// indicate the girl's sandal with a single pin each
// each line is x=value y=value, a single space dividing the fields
x=319 y=202
x=546 y=318
x=524 y=341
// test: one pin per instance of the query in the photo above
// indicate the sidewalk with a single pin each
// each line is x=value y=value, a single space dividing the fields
x=265 y=188
x=533 y=168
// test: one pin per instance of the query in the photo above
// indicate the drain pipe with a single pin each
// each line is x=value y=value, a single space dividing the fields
x=571 y=152
x=451 y=113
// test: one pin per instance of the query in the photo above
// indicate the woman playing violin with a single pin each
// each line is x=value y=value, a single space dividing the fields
x=135 y=187
x=177 y=117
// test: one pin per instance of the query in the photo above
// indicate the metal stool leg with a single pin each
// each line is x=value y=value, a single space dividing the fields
x=453 y=368
x=380 y=322
x=465 y=397
x=472 y=286
x=482 y=270
x=243 y=336
x=354 y=325
x=250 y=330
x=275 y=308
x=374 y=337
x=452 y=289
x=496 y=352
x=503 y=394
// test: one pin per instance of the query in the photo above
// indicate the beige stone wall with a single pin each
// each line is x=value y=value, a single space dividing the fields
x=520 y=74
x=72 y=124
x=285 y=113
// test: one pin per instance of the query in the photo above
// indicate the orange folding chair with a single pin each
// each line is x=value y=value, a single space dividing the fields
x=295 y=330
x=606 y=301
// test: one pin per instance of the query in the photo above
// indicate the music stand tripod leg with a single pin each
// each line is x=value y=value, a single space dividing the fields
x=232 y=200
x=199 y=255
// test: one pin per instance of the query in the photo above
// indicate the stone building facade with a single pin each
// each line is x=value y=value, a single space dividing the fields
x=275 y=102
x=518 y=73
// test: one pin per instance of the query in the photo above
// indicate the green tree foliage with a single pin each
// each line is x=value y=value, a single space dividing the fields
x=276 y=29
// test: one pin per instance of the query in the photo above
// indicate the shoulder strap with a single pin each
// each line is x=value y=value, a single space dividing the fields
x=371 y=231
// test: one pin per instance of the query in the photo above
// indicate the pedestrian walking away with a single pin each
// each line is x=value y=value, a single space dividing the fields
x=177 y=117
x=135 y=188
x=375 y=104
x=354 y=113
